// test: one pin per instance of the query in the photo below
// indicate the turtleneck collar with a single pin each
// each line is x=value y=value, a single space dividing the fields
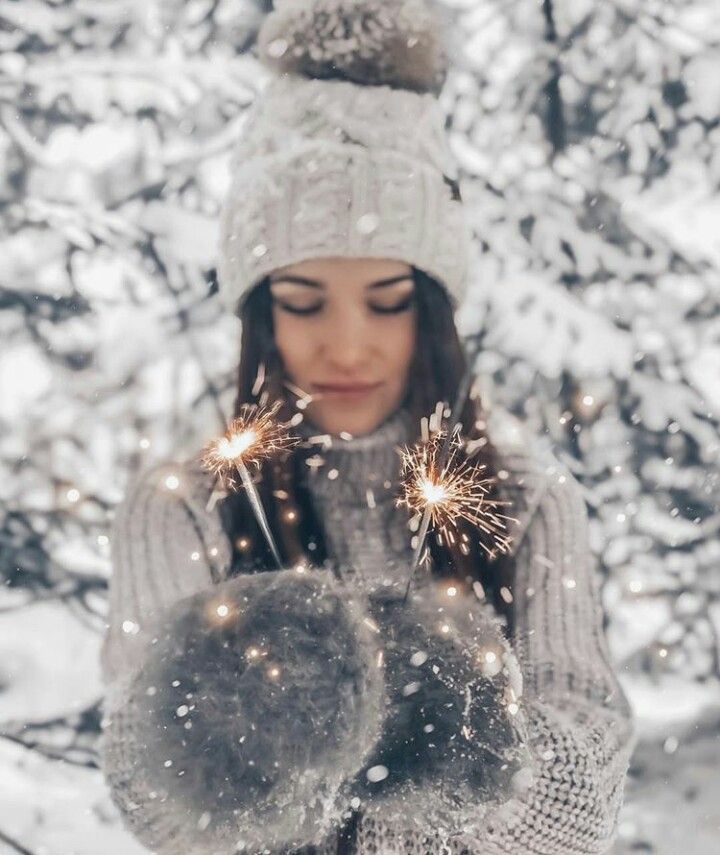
x=361 y=470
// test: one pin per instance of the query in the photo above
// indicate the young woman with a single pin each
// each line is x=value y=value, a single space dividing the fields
x=344 y=254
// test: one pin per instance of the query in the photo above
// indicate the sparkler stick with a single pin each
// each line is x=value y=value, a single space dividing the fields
x=252 y=436
x=419 y=546
x=259 y=511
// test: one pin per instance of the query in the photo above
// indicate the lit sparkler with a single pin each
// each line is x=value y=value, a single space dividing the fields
x=253 y=436
x=444 y=489
x=436 y=492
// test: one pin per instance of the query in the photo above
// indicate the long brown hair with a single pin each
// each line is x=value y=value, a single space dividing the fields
x=438 y=366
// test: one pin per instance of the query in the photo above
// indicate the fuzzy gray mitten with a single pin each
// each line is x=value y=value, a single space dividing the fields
x=454 y=738
x=260 y=699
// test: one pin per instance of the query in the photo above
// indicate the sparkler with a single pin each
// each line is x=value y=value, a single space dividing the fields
x=253 y=436
x=438 y=492
x=444 y=490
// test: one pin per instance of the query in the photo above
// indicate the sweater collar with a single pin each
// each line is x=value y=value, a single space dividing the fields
x=356 y=470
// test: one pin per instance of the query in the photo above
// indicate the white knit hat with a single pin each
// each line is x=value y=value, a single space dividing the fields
x=345 y=152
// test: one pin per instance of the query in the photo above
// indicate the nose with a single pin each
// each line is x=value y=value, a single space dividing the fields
x=346 y=342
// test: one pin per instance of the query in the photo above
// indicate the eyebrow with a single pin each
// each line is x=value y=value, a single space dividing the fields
x=316 y=283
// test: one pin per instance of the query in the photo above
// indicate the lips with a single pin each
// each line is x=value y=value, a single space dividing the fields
x=345 y=388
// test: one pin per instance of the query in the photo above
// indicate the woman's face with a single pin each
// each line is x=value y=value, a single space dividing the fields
x=345 y=330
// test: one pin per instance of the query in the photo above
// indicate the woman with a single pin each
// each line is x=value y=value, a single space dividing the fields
x=345 y=251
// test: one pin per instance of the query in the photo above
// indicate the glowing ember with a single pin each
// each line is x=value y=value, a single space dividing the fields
x=434 y=493
x=236 y=445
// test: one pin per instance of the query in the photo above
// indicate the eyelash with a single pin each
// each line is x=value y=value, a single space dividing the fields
x=394 y=310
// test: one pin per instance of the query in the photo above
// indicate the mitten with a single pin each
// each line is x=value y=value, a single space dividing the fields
x=260 y=699
x=453 y=741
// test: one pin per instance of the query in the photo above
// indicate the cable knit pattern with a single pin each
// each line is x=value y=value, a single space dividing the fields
x=167 y=543
x=408 y=123
x=327 y=168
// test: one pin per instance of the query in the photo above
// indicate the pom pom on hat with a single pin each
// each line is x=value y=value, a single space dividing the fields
x=398 y=43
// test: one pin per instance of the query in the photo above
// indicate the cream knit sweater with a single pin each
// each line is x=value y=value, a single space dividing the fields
x=168 y=542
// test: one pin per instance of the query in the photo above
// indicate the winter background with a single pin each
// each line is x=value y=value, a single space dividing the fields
x=589 y=139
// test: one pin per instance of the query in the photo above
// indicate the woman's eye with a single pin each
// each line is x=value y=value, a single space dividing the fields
x=396 y=309
x=299 y=310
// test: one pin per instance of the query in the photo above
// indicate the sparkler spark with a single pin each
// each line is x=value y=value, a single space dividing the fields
x=444 y=493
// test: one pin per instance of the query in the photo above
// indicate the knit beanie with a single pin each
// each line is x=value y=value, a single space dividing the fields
x=345 y=151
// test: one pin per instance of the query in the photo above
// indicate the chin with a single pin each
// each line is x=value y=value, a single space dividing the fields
x=337 y=421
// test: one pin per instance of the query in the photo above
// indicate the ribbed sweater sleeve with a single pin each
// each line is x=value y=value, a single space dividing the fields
x=164 y=546
x=580 y=725
x=558 y=634
x=580 y=720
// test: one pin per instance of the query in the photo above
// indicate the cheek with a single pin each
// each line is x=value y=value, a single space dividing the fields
x=292 y=342
x=399 y=346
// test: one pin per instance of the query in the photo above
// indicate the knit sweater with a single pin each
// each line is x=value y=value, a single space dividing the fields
x=168 y=542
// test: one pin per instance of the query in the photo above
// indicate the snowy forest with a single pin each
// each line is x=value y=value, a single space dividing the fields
x=588 y=139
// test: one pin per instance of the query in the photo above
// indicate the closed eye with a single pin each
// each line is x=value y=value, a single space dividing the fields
x=396 y=309
x=296 y=310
